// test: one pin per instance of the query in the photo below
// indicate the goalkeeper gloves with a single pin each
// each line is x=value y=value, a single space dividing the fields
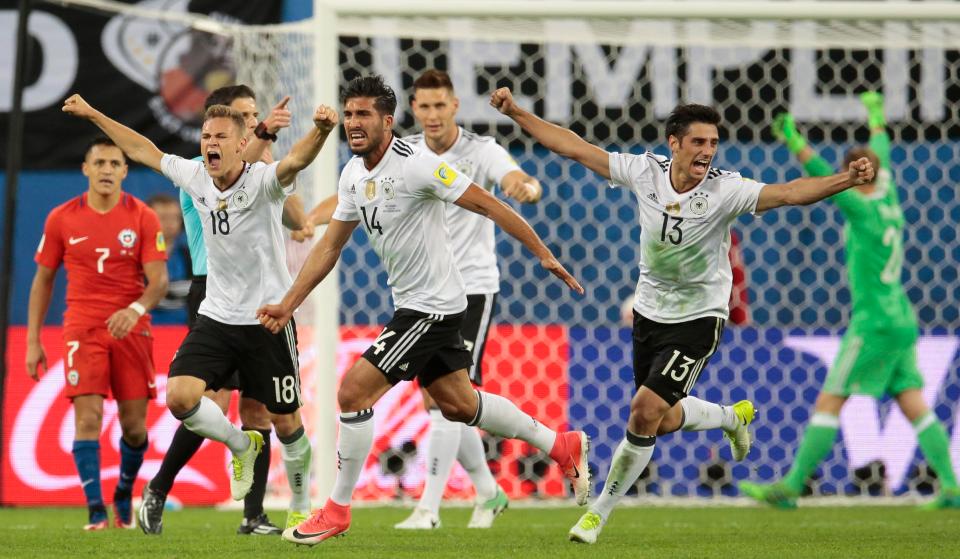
x=785 y=130
x=873 y=101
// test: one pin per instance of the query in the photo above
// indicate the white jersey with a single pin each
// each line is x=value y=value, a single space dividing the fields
x=402 y=204
x=472 y=235
x=684 y=237
x=246 y=261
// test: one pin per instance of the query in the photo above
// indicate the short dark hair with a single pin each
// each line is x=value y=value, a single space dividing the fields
x=384 y=99
x=103 y=141
x=162 y=198
x=223 y=111
x=433 y=79
x=228 y=94
x=682 y=116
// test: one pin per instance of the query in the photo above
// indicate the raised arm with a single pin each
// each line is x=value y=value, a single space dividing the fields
x=879 y=139
x=258 y=146
x=136 y=146
x=808 y=190
x=521 y=187
x=320 y=262
x=480 y=201
x=41 y=291
x=555 y=138
x=305 y=151
x=784 y=129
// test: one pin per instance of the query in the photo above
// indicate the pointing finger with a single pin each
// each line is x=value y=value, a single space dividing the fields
x=283 y=103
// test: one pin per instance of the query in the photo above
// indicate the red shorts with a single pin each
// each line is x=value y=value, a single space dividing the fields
x=97 y=363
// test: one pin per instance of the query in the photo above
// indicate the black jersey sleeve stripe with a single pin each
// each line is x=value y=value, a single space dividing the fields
x=403 y=146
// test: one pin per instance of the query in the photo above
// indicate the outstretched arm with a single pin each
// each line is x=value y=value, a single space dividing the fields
x=320 y=262
x=136 y=146
x=305 y=151
x=480 y=201
x=808 y=190
x=555 y=138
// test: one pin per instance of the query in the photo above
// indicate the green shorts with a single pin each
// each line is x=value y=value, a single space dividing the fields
x=874 y=364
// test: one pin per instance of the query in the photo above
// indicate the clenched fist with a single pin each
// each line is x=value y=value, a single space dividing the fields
x=502 y=100
x=325 y=118
x=77 y=106
x=861 y=171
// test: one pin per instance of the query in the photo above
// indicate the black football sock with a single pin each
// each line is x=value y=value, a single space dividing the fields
x=184 y=445
x=253 y=502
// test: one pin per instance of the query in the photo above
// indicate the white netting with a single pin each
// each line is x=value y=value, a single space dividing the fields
x=567 y=358
x=574 y=365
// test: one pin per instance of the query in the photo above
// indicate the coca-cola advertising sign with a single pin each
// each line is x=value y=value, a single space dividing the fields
x=38 y=424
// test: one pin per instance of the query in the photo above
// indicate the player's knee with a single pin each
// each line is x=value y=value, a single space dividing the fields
x=286 y=424
x=88 y=424
x=134 y=435
x=646 y=416
x=180 y=401
x=349 y=398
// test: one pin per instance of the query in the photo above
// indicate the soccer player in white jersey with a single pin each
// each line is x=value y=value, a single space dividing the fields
x=295 y=445
x=400 y=194
x=474 y=251
x=240 y=205
x=686 y=209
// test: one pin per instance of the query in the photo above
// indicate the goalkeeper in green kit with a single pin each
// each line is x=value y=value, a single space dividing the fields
x=878 y=353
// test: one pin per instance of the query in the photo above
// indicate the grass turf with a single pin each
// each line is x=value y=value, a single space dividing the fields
x=734 y=533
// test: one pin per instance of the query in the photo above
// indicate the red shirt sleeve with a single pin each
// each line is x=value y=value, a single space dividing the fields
x=50 y=250
x=154 y=246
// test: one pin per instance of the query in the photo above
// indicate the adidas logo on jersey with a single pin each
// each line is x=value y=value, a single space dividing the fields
x=653 y=196
x=404 y=366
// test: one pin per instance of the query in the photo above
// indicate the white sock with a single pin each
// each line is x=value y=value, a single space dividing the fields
x=441 y=451
x=208 y=421
x=629 y=461
x=297 y=455
x=474 y=460
x=353 y=447
x=501 y=417
x=700 y=415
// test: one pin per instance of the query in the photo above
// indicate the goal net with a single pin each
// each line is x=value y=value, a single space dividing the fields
x=612 y=72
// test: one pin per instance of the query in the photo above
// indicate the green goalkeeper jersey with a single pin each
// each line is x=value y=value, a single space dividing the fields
x=874 y=246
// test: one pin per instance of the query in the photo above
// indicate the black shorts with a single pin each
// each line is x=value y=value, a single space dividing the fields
x=476 y=325
x=267 y=363
x=198 y=291
x=419 y=345
x=196 y=295
x=668 y=358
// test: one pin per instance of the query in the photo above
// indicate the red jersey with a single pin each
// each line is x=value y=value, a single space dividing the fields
x=103 y=255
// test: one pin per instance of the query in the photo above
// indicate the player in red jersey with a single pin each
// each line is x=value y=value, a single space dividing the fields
x=108 y=241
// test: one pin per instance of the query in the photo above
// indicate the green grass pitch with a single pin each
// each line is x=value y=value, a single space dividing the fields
x=527 y=533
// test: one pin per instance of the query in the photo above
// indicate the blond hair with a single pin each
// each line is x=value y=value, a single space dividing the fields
x=223 y=111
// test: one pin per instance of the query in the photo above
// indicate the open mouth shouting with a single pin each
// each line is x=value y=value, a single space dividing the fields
x=357 y=138
x=214 y=159
x=700 y=165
